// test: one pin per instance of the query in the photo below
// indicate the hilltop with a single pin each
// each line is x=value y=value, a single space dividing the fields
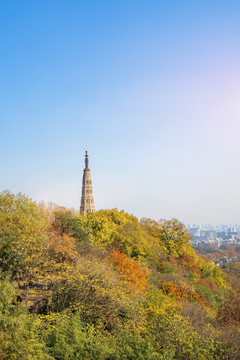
x=108 y=286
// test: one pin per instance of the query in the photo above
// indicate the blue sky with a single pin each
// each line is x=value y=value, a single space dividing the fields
x=152 y=89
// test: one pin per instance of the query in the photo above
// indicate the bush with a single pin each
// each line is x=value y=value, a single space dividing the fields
x=17 y=332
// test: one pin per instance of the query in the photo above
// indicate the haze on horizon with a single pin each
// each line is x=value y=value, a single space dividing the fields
x=151 y=88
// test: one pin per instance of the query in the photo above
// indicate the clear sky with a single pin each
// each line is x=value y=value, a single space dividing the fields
x=152 y=88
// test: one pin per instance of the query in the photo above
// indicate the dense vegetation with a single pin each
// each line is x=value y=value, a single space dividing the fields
x=106 y=286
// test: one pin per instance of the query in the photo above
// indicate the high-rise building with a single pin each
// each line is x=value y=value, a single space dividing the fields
x=87 y=201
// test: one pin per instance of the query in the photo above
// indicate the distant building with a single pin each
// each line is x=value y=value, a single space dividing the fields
x=221 y=235
x=211 y=235
x=219 y=242
x=87 y=201
x=193 y=231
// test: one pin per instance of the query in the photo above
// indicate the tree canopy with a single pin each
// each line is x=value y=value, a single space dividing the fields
x=107 y=286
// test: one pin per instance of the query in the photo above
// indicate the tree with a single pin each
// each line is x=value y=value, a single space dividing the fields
x=171 y=234
x=23 y=232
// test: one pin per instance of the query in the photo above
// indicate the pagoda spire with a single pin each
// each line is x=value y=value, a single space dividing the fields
x=86 y=160
x=87 y=200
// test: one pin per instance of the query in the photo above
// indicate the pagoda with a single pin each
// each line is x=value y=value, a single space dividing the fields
x=87 y=201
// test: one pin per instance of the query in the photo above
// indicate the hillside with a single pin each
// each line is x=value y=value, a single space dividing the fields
x=106 y=286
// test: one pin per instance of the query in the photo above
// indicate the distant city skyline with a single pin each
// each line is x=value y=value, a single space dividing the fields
x=218 y=236
x=152 y=89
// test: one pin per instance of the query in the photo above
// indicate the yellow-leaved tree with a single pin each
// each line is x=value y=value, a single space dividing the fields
x=23 y=234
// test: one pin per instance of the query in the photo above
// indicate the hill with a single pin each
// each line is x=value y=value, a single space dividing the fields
x=108 y=286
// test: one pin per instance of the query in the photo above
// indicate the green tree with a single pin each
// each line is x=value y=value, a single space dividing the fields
x=18 y=339
x=23 y=232
x=171 y=234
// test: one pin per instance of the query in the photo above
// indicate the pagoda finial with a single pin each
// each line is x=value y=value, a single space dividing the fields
x=86 y=160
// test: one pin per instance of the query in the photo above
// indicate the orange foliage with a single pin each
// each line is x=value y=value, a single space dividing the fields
x=229 y=247
x=185 y=286
x=229 y=312
x=62 y=247
x=207 y=283
x=129 y=270
x=188 y=262
x=171 y=288
x=222 y=254
x=172 y=260
x=195 y=269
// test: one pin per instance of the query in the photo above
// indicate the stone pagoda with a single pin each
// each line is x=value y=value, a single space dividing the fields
x=87 y=201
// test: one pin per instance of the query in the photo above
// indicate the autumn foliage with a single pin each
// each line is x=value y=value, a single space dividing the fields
x=61 y=247
x=129 y=270
x=208 y=283
x=229 y=311
x=105 y=285
x=171 y=288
